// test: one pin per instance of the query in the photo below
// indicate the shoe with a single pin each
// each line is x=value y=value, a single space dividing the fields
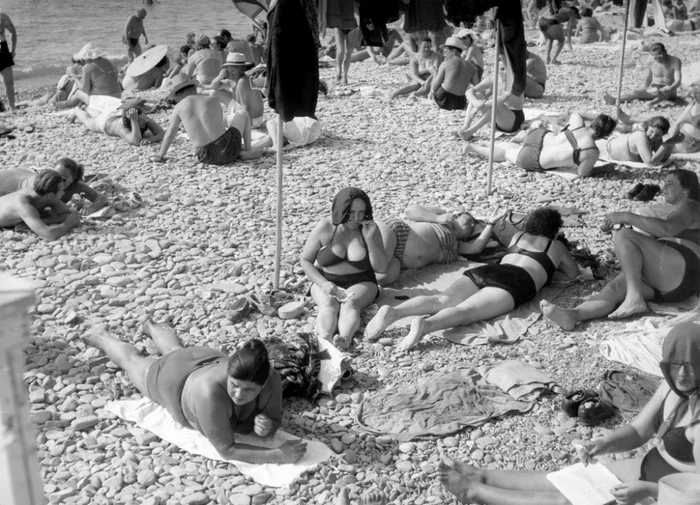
x=635 y=190
x=571 y=402
x=648 y=193
x=238 y=309
x=594 y=410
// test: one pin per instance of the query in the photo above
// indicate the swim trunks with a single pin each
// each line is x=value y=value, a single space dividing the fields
x=165 y=378
x=449 y=246
x=222 y=151
x=529 y=155
x=6 y=60
x=519 y=120
x=132 y=43
x=545 y=24
x=690 y=284
x=449 y=101
x=401 y=230
x=511 y=278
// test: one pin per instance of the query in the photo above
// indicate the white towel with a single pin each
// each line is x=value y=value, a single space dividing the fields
x=153 y=417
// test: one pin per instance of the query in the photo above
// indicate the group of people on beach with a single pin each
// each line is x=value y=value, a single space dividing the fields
x=351 y=253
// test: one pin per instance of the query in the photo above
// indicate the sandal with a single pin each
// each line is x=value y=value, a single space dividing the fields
x=572 y=401
x=238 y=309
x=594 y=410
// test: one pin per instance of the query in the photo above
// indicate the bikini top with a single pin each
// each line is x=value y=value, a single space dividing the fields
x=540 y=257
x=676 y=443
x=572 y=140
x=327 y=258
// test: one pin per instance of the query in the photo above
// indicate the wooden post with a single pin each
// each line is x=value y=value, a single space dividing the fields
x=20 y=480
x=494 y=98
x=280 y=207
x=622 y=61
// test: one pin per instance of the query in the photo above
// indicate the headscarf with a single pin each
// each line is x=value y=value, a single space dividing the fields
x=682 y=345
x=340 y=211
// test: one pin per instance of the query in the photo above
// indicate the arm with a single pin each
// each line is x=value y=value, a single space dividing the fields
x=677 y=77
x=11 y=28
x=143 y=30
x=643 y=146
x=428 y=214
x=218 y=80
x=132 y=136
x=58 y=208
x=169 y=134
x=672 y=226
x=437 y=81
x=576 y=121
x=378 y=257
x=415 y=76
x=478 y=245
x=31 y=217
x=98 y=200
x=650 y=76
x=308 y=255
x=157 y=133
x=268 y=421
x=568 y=266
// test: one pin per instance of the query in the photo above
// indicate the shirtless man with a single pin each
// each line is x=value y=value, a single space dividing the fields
x=541 y=149
x=641 y=146
x=453 y=77
x=204 y=123
x=662 y=81
x=536 y=76
x=7 y=59
x=240 y=94
x=424 y=65
x=39 y=207
x=132 y=32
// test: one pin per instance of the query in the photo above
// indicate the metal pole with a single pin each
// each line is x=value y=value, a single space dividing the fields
x=278 y=234
x=494 y=98
x=622 y=60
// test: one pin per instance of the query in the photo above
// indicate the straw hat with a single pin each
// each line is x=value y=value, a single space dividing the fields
x=455 y=42
x=237 y=60
x=181 y=81
x=146 y=61
x=679 y=489
x=89 y=52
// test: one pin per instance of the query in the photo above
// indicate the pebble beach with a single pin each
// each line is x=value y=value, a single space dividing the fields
x=193 y=227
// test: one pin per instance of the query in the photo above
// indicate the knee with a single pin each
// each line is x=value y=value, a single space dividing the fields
x=441 y=301
x=623 y=236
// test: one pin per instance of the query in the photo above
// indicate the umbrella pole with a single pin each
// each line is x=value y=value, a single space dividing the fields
x=494 y=98
x=622 y=60
x=278 y=234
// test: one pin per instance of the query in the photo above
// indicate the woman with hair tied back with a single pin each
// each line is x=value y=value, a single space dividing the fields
x=204 y=389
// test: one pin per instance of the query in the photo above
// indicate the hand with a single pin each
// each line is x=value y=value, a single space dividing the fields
x=132 y=114
x=145 y=142
x=628 y=493
x=328 y=287
x=446 y=218
x=615 y=218
x=73 y=219
x=291 y=451
x=158 y=158
x=369 y=229
x=497 y=215
x=262 y=425
x=223 y=74
x=589 y=449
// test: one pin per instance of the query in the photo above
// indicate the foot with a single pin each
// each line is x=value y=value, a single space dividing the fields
x=384 y=318
x=342 y=342
x=630 y=307
x=96 y=336
x=418 y=331
x=563 y=318
x=345 y=80
x=373 y=498
x=466 y=135
x=147 y=327
x=467 y=150
x=343 y=497
x=556 y=62
x=455 y=483
x=467 y=470
x=608 y=98
x=623 y=116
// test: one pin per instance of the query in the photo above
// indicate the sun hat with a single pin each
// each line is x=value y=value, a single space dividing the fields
x=146 y=61
x=455 y=42
x=89 y=52
x=237 y=60
x=202 y=40
x=679 y=489
x=132 y=103
x=181 y=81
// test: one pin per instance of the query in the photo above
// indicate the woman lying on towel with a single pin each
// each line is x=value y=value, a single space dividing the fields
x=432 y=235
x=488 y=291
x=209 y=391
x=660 y=262
x=341 y=257
x=672 y=417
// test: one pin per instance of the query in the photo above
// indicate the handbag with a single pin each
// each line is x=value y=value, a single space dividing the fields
x=505 y=228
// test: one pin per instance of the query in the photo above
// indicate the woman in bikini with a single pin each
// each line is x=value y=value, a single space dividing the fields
x=660 y=262
x=672 y=416
x=590 y=28
x=487 y=291
x=642 y=146
x=341 y=257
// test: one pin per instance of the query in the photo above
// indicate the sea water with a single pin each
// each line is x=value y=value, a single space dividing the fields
x=50 y=31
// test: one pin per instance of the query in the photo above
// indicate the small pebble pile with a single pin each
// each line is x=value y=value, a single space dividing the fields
x=201 y=225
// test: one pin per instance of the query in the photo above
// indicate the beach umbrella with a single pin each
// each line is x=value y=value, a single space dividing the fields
x=251 y=8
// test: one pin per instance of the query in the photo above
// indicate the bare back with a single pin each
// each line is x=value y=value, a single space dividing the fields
x=13 y=207
x=202 y=118
x=458 y=75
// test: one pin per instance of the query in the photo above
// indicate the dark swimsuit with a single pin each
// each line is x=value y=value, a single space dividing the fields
x=572 y=140
x=6 y=60
x=690 y=284
x=514 y=279
x=519 y=120
x=327 y=258
x=449 y=101
x=529 y=155
x=677 y=445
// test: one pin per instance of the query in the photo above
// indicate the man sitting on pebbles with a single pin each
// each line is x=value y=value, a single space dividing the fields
x=541 y=150
x=453 y=77
x=204 y=123
x=240 y=94
x=127 y=122
x=641 y=146
x=204 y=389
x=39 y=206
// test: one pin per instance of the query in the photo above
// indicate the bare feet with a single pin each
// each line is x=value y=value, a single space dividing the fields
x=96 y=336
x=466 y=135
x=467 y=470
x=630 y=307
x=418 y=330
x=455 y=482
x=468 y=149
x=381 y=321
x=564 y=318
x=608 y=99
x=373 y=498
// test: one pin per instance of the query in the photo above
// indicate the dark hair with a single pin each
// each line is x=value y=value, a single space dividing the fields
x=657 y=47
x=251 y=38
x=127 y=122
x=76 y=170
x=426 y=39
x=185 y=49
x=661 y=123
x=225 y=33
x=219 y=41
x=544 y=221
x=183 y=93
x=469 y=36
x=250 y=363
x=689 y=181
x=342 y=203
x=577 y=14
x=47 y=181
x=587 y=12
x=603 y=126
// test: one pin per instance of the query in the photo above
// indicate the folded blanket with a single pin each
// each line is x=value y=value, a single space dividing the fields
x=437 y=406
x=518 y=379
x=434 y=279
x=155 y=418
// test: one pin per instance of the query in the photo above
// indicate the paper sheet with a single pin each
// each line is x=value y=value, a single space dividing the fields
x=585 y=485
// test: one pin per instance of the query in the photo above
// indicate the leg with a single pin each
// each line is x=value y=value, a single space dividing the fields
x=340 y=44
x=485 y=119
x=126 y=356
x=88 y=121
x=486 y=303
x=557 y=50
x=548 y=49
x=9 y=80
x=223 y=95
x=164 y=337
x=327 y=319
x=501 y=150
x=241 y=122
x=424 y=88
x=406 y=90
x=363 y=295
x=533 y=89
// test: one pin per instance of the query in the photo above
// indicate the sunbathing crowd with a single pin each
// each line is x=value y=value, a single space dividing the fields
x=351 y=253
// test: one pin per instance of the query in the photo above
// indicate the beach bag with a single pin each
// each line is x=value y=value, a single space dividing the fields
x=679 y=489
x=506 y=227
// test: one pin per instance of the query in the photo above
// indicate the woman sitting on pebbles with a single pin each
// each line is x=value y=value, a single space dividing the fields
x=431 y=236
x=342 y=253
x=488 y=291
x=672 y=416
x=589 y=28
x=660 y=262
x=128 y=122
x=204 y=389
